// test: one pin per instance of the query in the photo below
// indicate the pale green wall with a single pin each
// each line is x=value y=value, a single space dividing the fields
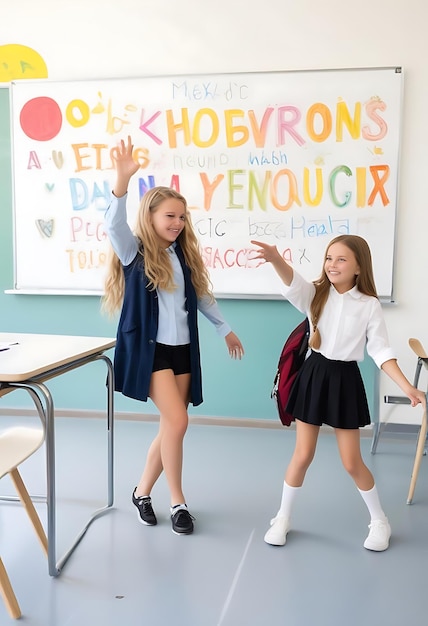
x=231 y=389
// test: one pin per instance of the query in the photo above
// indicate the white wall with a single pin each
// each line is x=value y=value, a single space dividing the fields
x=102 y=39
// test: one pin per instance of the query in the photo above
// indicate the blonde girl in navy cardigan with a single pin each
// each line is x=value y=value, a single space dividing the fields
x=158 y=281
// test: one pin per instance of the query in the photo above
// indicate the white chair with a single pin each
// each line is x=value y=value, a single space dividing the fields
x=16 y=445
x=422 y=361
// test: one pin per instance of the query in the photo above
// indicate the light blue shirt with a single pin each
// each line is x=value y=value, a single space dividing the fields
x=173 y=329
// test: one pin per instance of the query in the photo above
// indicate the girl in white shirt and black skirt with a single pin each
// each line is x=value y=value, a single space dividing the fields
x=345 y=317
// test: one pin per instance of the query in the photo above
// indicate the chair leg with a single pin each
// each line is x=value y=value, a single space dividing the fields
x=8 y=594
x=418 y=457
x=29 y=507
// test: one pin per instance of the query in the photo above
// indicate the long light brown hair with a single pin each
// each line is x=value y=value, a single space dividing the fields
x=364 y=280
x=157 y=264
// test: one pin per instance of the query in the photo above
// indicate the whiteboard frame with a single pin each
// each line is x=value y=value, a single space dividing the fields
x=388 y=298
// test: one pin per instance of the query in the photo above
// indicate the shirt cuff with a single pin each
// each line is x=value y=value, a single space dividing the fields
x=385 y=355
x=223 y=330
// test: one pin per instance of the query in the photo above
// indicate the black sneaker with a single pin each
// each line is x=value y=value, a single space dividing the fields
x=146 y=515
x=182 y=522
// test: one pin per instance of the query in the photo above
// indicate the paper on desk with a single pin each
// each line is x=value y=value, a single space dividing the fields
x=5 y=345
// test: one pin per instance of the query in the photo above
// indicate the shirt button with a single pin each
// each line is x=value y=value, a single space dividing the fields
x=151 y=341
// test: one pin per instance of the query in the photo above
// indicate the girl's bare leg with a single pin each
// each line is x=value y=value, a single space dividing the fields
x=152 y=469
x=304 y=451
x=170 y=394
x=348 y=442
x=350 y=453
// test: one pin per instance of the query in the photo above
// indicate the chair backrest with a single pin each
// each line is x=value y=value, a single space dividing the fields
x=16 y=445
x=420 y=352
x=418 y=348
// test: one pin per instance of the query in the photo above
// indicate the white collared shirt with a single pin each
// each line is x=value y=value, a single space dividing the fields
x=349 y=322
x=173 y=329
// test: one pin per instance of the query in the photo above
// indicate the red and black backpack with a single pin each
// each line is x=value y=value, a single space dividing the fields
x=290 y=361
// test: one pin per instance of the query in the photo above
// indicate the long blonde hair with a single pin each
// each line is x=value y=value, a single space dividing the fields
x=157 y=264
x=364 y=280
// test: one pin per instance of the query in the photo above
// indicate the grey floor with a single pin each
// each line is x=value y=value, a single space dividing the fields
x=126 y=574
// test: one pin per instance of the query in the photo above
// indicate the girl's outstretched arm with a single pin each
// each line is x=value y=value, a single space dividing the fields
x=416 y=396
x=270 y=254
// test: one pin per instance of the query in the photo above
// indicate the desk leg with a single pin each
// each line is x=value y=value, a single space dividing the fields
x=40 y=410
x=36 y=390
x=46 y=413
x=50 y=474
x=110 y=426
x=55 y=569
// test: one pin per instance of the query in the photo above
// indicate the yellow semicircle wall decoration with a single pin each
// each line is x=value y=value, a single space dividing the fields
x=17 y=62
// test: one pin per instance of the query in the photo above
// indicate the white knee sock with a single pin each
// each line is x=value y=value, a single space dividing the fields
x=371 y=498
x=288 y=495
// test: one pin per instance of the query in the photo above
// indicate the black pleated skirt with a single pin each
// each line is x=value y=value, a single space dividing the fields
x=329 y=392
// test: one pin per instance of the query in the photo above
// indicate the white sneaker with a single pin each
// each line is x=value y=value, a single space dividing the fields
x=277 y=533
x=378 y=537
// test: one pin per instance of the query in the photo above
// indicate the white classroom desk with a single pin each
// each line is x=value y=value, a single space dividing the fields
x=27 y=365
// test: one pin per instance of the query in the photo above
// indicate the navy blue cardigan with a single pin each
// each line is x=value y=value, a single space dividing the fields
x=137 y=331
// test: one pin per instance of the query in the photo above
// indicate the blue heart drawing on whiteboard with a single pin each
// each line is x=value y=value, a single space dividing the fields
x=49 y=186
x=45 y=227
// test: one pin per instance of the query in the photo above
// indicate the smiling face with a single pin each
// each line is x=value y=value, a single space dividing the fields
x=341 y=267
x=168 y=220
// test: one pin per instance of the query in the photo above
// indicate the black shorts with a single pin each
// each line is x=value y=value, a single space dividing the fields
x=175 y=358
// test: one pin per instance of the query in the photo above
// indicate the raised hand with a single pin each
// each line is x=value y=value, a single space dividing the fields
x=125 y=165
x=266 y=252
x=270 y=254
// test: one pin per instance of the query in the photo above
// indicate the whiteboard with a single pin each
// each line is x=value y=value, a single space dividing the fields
x=289 y=158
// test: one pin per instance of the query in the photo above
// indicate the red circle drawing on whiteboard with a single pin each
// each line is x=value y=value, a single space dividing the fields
x=41 y=118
